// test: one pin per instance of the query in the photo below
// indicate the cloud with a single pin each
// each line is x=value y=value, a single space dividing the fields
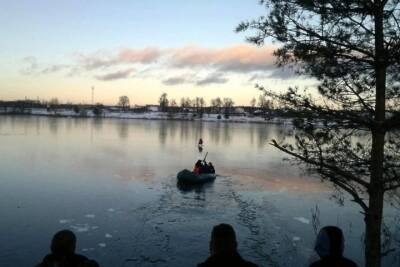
x=152 y=62
x=278 y=73
x=104 y=59
x=214 y=78
x=239 y=58
x=30 y=67
x=122 y=74
x=145 y=55
x=54 y=68
x=175 y=81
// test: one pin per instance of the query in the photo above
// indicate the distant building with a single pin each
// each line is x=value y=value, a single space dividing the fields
x=138 y=109
x=153 y=108
x=258 y=112
x=240 y=111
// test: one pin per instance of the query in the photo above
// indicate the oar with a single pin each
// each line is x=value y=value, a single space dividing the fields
x=205 y=157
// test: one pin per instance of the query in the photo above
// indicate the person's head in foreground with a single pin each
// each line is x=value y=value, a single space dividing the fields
x=63 y=254
x=63 y=244
x=223 y=239
x=223 y=249
x=330 y=246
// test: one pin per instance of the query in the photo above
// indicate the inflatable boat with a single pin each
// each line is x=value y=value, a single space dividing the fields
x=189 y=177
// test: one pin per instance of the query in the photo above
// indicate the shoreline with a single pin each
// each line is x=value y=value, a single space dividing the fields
x=153 y=116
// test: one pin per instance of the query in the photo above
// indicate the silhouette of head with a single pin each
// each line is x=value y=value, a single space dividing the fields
x=223 y=239
x=198 y=163
x=63 y=243
x=210 y=164
x=330 y=242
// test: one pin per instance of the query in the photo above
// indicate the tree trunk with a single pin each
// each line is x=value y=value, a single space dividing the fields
x=374 y=214
x=373 y=225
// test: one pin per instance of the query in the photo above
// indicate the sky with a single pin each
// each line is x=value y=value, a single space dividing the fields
x=135 y=48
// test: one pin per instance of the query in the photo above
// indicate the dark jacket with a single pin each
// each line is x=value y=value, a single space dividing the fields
x=75 y=260
x=334 y=262
x=227 y=260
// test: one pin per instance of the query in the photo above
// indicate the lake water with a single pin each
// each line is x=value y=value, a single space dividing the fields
x=113 y=182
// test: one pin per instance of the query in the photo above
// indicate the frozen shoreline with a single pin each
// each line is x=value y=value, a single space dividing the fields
x=154 y=116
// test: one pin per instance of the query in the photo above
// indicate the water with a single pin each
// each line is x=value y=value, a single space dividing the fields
x=113 y=182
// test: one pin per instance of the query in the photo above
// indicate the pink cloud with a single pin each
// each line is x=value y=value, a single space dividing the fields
x=104 y=59
x=238 y=58
x=219 y=63
x=243 y=58
x=145 y=55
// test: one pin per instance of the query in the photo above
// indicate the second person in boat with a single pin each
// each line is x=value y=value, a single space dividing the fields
x=197 y=167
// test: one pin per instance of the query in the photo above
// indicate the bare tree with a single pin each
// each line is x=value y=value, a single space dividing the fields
x=185 y=103
x=172 y=105
x=164 y=102
x=228 y=106
x=216 y=103
x=123 y=102
x=54 y=101
x=199 y=104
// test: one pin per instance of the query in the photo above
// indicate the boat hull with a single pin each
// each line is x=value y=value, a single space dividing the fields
x=189 y=177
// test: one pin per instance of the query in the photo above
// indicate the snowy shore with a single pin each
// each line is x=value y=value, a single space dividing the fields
x=153 y=116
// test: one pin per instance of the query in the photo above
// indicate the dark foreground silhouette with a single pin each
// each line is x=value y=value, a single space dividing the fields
x=330 y=246
x=223 y=249
x=63 y=252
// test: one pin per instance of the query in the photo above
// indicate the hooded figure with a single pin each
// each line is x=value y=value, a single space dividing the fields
x=223 y=249
x=330 y=246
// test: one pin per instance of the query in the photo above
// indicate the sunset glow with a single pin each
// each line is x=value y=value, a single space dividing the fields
x=132 y=48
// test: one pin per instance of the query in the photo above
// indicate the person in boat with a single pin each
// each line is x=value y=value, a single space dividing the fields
x=211 y=168
x=63 y=252
x=329 y=246
x=197 y=167
x=200 y=144
x=204 y=167
x=223 y=249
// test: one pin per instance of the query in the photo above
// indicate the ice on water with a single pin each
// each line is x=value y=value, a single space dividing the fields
x=302 y=220
x=107 y=235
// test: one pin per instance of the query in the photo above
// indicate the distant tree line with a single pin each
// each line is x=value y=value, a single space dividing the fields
x=196 y=107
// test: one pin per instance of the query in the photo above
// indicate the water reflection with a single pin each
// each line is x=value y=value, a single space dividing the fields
x=98 y=124
x=163 y=131
x=123 y=129
x=53 y=125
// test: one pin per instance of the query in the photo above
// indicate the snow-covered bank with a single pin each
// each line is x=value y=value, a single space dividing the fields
x=153 y=116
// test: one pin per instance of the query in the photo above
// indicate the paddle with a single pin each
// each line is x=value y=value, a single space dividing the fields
x=205 y=157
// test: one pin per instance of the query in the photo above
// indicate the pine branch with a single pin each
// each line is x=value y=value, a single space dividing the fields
x=333 y=168
x=348 y=189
